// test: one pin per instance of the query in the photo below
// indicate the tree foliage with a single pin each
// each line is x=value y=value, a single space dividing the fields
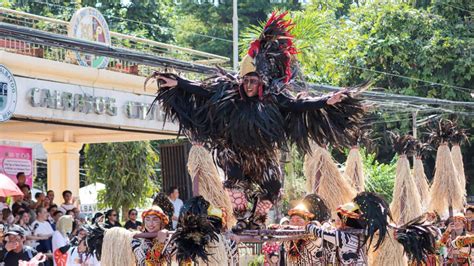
x=197 y=21
x=125 y=168
x=380 y=177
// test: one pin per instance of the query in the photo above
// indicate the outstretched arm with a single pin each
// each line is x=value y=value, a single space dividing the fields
x=182 y=84
x=317 y=230
x=296 y=104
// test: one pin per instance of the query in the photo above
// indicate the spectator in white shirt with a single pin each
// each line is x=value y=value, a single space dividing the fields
x=69 y=202
x=42 y=228
x=173 y=195
x=24 y=223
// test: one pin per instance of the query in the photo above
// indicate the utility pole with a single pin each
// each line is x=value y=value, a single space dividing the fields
x=414 y=129
x=235 y=36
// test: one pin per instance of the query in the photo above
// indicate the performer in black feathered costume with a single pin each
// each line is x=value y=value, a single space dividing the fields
x=247 y=118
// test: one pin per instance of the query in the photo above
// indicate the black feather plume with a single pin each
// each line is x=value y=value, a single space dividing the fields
x=375 y=214
x=404 y=144
x=418 y=239
x=441 y=131
x=195 y=231
x=94 y=239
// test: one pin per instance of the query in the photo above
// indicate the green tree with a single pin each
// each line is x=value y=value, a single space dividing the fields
x=126 y=169
x=380 y=177
x=197 y=21
x=147 y=19
x=382 y=42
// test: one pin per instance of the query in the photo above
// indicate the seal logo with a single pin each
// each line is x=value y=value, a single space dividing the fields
x=8 y=94
x=89 y=24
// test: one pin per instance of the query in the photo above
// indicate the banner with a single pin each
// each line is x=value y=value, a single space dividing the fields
x=16 y=159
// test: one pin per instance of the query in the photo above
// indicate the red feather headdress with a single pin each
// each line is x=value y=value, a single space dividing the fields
x=274 y=49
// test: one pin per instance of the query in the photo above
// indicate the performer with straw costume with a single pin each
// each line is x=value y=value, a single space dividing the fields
x=446 y=193
x=458 y=138
x=207 y=182
x=360 y=221
x=406 y=203
x=421 y=181
x=247 y=118
x=323 y=176
x=354 y=170
x=308 y=250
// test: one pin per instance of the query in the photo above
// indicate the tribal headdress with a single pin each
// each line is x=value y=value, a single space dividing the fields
x=157 y=211
x=165 y=204
x=271 y=55
x=312 y=208
x=94 y=239
x=367 y=211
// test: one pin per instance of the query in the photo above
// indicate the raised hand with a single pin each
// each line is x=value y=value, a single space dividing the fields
x=165 y=80
x=337 y=97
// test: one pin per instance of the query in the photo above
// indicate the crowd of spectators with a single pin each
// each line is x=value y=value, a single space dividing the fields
x=41 y=227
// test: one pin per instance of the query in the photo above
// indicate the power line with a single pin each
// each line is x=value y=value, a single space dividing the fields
x=414 y=79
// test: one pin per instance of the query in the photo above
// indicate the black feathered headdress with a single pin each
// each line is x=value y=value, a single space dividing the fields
x=271 y=55
x=370 y=212
x=94 y=239
x=165 y=204
x=195 y=231
x=418 y=239
x=404 y=144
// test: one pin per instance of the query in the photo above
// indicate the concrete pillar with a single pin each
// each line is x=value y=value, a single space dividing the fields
x=63 y=167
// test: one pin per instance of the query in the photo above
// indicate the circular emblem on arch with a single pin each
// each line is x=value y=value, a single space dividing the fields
x=89 y=24
x=8 y=94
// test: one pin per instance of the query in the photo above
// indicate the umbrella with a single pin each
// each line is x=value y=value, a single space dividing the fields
x=8 y=187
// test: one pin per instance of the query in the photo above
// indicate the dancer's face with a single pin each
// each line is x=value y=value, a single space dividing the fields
x=339 y=223
x=297 y=220
x=152 y=223
x=251 y=84
x=458 y=225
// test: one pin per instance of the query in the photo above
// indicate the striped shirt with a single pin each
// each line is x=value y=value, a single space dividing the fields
x=349 y=251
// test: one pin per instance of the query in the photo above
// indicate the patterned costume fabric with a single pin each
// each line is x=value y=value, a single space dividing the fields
x=460 y=253
x=149 y=252
x=309 y=251
x=348 y=245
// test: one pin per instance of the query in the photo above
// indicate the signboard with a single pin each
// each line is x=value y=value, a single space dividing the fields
x=61 y=102
x=8 y=94
x=16 y=159
x=89 y=24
